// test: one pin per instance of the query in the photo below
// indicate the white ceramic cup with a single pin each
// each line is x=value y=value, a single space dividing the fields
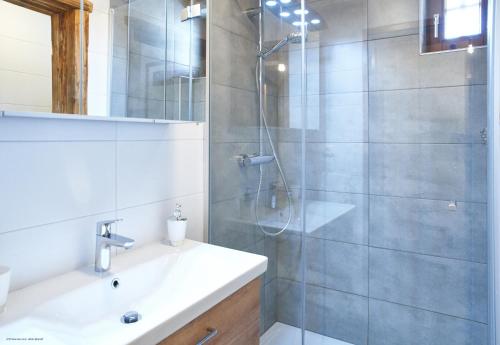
x=4 y=286
x=176 y=231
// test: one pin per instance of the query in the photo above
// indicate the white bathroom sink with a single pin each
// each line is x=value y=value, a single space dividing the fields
x=167 y=286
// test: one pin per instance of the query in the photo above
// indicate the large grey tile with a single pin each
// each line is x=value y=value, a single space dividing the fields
x=233 y=114
x=428 y=116
x=339 y=167
x=289 y=257
x=269 y=305
x=393 y=324
x=288 y=302
x=146 y=34
x=351 y=225
x=228 y=229
x=388 y=18
x=429 y=227
x=343 y=21
x=340 y=118
x=337 y=265
x=146 y=76
x=433 y=171
x=448 y=286
x=453 y=68
x=268 y=247
x=394 y=116
x=393 y=63
x=233 y=59
x=230 y=16
x=224 y=164
x=330 y=69
x=337 y=314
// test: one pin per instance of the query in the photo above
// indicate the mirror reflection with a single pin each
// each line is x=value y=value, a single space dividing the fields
x=119 y=58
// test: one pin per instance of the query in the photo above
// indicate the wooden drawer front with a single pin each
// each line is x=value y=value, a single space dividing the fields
x=236 y=320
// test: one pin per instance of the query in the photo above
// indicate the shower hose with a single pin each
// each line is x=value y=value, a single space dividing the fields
x=278 y=164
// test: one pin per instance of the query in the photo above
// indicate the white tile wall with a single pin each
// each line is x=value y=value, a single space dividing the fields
x=59 y=177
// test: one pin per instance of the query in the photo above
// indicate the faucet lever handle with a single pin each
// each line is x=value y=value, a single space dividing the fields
x=103 y=227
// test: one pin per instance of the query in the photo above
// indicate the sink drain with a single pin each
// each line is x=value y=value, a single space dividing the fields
x=130 y=317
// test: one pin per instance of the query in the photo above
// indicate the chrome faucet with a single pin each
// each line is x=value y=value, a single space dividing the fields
x=104 y=241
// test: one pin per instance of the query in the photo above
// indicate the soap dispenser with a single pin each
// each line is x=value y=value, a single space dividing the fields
x=176 y=227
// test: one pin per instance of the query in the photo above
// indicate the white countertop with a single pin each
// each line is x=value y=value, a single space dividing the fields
x=168 y=286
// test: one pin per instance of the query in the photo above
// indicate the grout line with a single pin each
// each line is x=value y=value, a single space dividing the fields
x=66 y=220
x=368 y=298
x=181 y=196
x=368 y=245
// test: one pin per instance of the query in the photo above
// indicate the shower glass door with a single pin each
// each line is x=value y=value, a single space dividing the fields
x=395 y=239
x=383 y=154
x=256 y=123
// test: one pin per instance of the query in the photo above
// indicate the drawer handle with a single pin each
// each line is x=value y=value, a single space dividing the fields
x=212 y=333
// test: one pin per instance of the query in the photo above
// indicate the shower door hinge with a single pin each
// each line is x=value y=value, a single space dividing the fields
x=484 y=136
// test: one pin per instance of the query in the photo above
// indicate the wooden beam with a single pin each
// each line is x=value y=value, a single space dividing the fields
x=51 y=7
x=69 y=63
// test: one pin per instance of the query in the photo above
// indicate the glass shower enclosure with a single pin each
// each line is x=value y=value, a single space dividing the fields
x=356 y=164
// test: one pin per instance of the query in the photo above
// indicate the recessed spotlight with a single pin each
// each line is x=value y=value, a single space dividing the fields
x=285 y=1
x=271 y=3
x=285 y=14
x=299 y=23
x=281 y=67
x=315 y=21
x=300 y=11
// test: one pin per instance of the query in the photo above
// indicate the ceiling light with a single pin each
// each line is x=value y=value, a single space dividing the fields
x=315 y=21
x=299 y=23
x=300 y=11
x=285 y=1
x=281 y=67
x=271 y=3
x=285 y=14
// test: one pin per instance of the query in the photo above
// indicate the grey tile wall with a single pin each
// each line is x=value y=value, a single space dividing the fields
x=395 y=324
x=392 y=134
x=234 y=120
x=396 y=135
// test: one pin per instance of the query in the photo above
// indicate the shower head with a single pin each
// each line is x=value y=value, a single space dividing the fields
x=293 y=38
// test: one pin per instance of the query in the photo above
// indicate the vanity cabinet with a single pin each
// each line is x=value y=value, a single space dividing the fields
x=234 y=321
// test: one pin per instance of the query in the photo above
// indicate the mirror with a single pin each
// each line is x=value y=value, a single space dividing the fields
x=115 y=58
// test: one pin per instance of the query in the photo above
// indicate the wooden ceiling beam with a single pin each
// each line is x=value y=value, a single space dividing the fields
x=51 y=7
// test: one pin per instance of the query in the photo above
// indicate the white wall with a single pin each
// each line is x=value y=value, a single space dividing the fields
x=59 y=177
x=26 y=62
x=25 y=59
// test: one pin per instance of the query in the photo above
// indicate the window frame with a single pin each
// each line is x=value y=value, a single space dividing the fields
x=430 y=44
